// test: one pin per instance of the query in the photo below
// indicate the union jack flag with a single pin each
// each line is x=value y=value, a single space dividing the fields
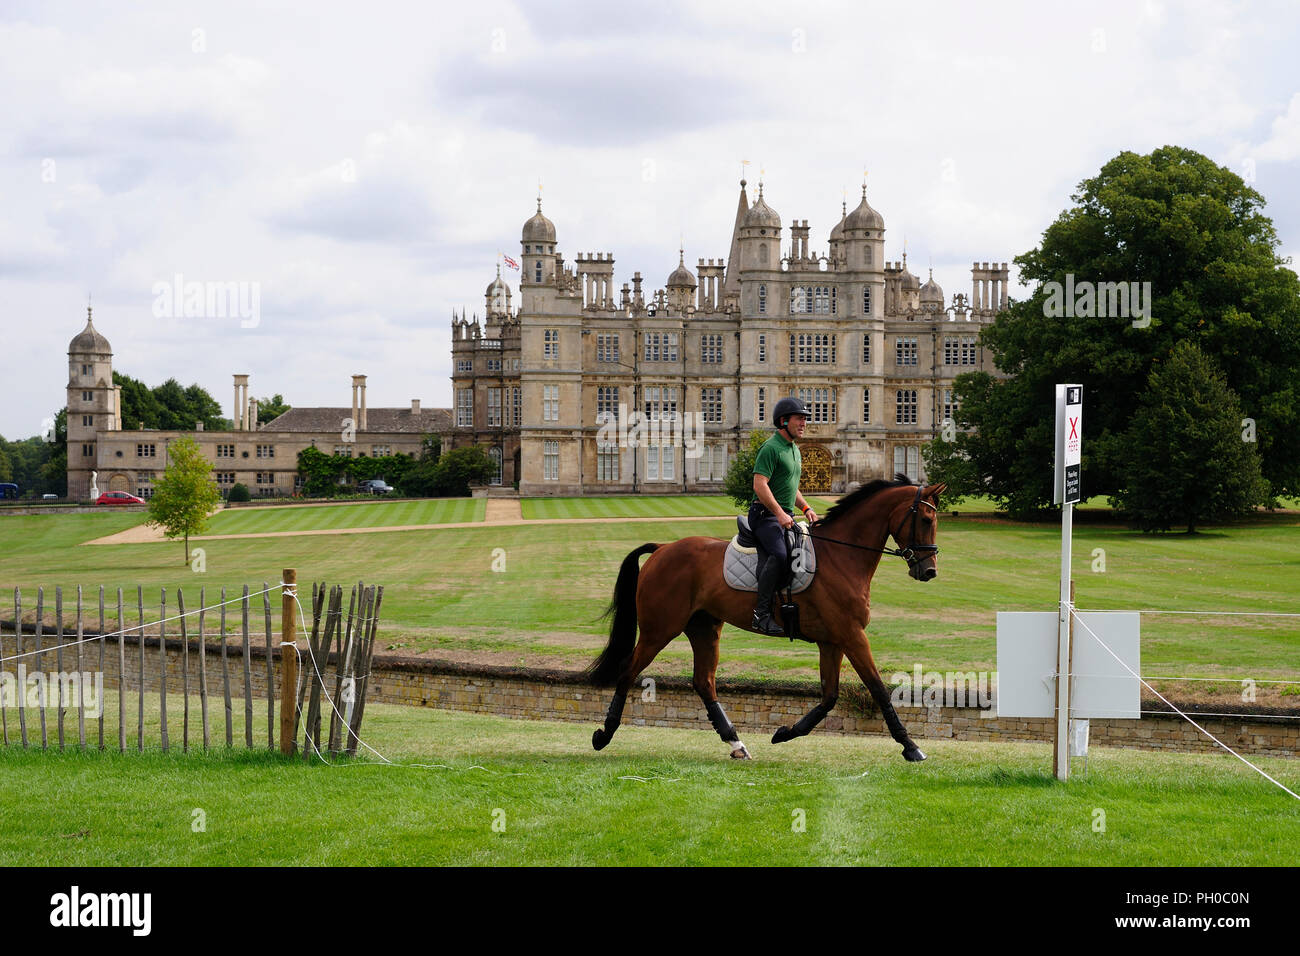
x=510 y=263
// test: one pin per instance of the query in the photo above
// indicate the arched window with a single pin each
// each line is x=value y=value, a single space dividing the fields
x=866 y=255
x=537 y=274
x=762 y=254
x=762 y=298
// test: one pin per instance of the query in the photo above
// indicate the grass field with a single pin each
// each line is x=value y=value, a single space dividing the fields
x=655 y=797
x=442 y=595
x=377 y=514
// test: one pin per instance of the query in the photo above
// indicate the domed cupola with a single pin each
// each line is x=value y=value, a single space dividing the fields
x=89 y=341
x=863 y=217
x=498 y=295
x=761 y=214
x=538 y=228
x=931 y=295
x=681 y=283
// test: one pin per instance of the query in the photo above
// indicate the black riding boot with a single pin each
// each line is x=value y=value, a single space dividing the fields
x=770 y=573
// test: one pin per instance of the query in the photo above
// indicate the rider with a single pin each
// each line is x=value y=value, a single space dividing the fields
x=777 y=469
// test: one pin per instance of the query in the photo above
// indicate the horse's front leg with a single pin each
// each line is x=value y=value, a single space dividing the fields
x=859 y=652
x=831 y=659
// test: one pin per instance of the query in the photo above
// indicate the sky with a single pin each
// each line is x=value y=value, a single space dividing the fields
x=355 y=171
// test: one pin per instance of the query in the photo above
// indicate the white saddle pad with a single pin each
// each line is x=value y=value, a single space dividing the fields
x=740 y=565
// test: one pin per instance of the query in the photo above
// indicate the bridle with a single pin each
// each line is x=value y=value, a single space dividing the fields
x=909 y=553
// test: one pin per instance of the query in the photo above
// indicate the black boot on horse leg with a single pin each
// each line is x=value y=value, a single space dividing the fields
x=718 y=717
x=600 y=737
x=770 y=574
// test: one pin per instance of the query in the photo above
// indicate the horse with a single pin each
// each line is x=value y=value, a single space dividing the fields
x=681 y=589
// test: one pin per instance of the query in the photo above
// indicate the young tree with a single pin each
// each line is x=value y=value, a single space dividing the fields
x=739 y=482
x=185 y=495
x=271 y=408
x=1189 y=455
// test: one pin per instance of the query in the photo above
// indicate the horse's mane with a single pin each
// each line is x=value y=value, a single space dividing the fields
x=869 y=490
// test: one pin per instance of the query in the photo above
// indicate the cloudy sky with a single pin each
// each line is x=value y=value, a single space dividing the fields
x=361 y=166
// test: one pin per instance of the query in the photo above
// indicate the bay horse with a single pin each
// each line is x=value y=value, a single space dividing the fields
x=681 y=589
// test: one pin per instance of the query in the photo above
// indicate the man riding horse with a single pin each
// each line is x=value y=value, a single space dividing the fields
x=777 y=469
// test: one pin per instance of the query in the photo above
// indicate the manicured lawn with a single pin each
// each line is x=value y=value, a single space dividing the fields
x=378 y=514
x=442 y=594
x=655 y=797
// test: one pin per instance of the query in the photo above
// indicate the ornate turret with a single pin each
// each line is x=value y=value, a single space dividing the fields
x=681 y=283
x=497 y=296
x=537 y=243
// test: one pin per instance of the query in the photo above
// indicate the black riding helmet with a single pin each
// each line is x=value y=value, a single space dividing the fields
x=787 y=407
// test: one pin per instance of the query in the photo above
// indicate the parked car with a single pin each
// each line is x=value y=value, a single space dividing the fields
x=8 y=490
x=49 y=497
x=376 y=486
x=118 y=498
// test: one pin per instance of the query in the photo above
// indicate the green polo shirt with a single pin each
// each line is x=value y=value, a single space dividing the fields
x=780 y=462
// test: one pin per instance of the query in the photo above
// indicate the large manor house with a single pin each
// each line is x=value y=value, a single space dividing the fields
x=700 y=362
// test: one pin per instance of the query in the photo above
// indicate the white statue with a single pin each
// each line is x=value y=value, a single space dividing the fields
x=94 y=486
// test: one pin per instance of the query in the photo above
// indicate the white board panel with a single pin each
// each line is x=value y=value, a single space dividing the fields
x=1102 y=687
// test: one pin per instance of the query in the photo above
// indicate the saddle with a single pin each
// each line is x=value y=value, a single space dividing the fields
x=740 y=560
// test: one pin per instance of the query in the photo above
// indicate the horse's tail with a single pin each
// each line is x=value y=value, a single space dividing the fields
x=609 y=666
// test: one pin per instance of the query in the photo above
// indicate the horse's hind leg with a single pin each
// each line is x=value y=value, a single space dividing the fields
x=831 y=659
x=859 y=652
x=648 y=646
x=705 y=632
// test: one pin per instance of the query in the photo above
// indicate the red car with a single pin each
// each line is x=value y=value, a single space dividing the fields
x=118 y=498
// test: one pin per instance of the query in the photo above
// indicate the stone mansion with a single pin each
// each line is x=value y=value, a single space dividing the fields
x=869 y=347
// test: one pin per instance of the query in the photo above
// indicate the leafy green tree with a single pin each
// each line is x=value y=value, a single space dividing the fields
x=1188 y=456
x=168 y=407
x=270 y=408
x=1198 y=234
x=6 y=464
x=185 y=495
x=739 y=482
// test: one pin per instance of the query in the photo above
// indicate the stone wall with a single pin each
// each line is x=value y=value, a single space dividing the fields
x=756 y=709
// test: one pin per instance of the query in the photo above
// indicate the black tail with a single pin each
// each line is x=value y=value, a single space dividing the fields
x=609 y=666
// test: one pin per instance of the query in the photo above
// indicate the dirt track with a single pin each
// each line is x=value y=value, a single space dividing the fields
x=507 y=511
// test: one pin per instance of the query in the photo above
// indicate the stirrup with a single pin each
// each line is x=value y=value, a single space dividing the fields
x=764 y=624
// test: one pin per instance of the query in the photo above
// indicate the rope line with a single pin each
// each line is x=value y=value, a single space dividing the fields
x=1134 y=673
x=126 y=630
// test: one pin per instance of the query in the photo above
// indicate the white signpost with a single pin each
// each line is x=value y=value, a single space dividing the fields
x=1036 y=658
x=1069 y=444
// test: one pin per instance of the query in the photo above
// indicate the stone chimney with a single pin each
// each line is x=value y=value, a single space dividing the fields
x=198 y=426
x=359 y=402
x=415 y=406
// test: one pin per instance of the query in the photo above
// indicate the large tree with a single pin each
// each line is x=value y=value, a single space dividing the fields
x=1191 y=454
x=1197 y=233
x=169 y=406
x=185 y=495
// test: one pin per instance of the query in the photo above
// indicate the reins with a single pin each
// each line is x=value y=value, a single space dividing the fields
x=908 y=554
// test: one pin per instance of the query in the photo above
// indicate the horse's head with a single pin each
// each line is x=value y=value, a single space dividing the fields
x=914 y=522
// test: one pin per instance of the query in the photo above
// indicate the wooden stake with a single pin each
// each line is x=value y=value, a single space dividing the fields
x=248 y=679
x=162 y=660
x=81 y=704
x=139 y=636
x=225 y=672
x=22 y=691
x=58 y=658
x=121 y=678
x=101 y=666
x=203 y=667
x=270 y=670
x=40 y=664
x=185 y=673
x=288 y=659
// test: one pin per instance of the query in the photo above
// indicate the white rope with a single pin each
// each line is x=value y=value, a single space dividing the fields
x=1215 y=680
x=126 y=630
x=1134 y=673
x=1147 y=610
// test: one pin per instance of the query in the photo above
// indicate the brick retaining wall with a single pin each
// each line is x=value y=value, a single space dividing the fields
x=756 y=709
